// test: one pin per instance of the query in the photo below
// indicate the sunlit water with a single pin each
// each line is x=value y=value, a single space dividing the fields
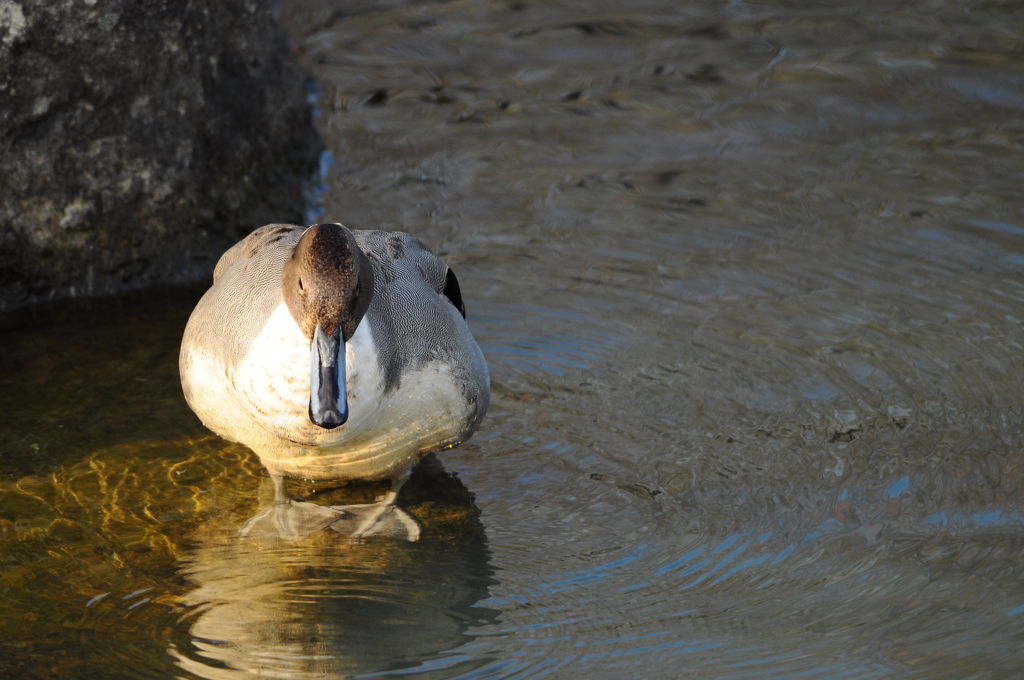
x=750 y=281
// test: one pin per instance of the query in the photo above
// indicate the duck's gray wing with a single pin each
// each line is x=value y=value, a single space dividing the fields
x=416 y=315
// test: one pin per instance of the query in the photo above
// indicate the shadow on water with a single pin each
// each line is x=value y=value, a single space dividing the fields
x=330 y=607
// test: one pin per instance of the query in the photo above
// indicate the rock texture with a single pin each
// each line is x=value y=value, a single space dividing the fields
x=140 y=138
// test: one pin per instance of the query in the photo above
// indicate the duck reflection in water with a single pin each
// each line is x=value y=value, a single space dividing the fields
x=331 y=607
x=334 y=355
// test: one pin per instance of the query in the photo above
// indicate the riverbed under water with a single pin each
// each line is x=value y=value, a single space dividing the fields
x=749 y=278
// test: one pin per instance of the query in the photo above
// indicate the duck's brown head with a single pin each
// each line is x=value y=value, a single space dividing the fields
x=327 y=284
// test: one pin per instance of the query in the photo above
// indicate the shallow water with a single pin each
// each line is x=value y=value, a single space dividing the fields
x=750 y=282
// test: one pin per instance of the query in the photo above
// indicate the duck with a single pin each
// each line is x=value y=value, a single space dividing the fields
x=334 y=354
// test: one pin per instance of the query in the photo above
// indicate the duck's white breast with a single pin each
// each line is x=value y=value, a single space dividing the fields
x=384 y=433
x=272 y=380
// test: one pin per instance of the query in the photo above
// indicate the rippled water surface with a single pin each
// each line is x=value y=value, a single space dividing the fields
x=750 y=281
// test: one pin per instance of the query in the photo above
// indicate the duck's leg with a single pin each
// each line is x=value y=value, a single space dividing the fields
x=382 y=518
x=287 y=518
x=281 y=494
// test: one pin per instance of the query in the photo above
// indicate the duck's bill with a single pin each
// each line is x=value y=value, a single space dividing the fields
x=328 y=402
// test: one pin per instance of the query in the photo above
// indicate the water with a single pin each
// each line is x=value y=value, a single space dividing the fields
x=749 y=278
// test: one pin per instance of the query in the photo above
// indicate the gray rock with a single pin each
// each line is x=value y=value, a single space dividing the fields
x=140 y=138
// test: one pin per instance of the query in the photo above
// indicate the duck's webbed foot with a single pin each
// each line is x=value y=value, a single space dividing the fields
x=289 y=519
x=376 y=519
x=382 y=518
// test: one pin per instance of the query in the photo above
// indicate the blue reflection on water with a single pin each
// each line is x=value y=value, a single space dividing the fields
x=962 y=520
x=680 y=561
x=823 y=392
x=729 y=558
x=898 y=487
x=999 y=226
x=594 y=574
x=991 y=94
